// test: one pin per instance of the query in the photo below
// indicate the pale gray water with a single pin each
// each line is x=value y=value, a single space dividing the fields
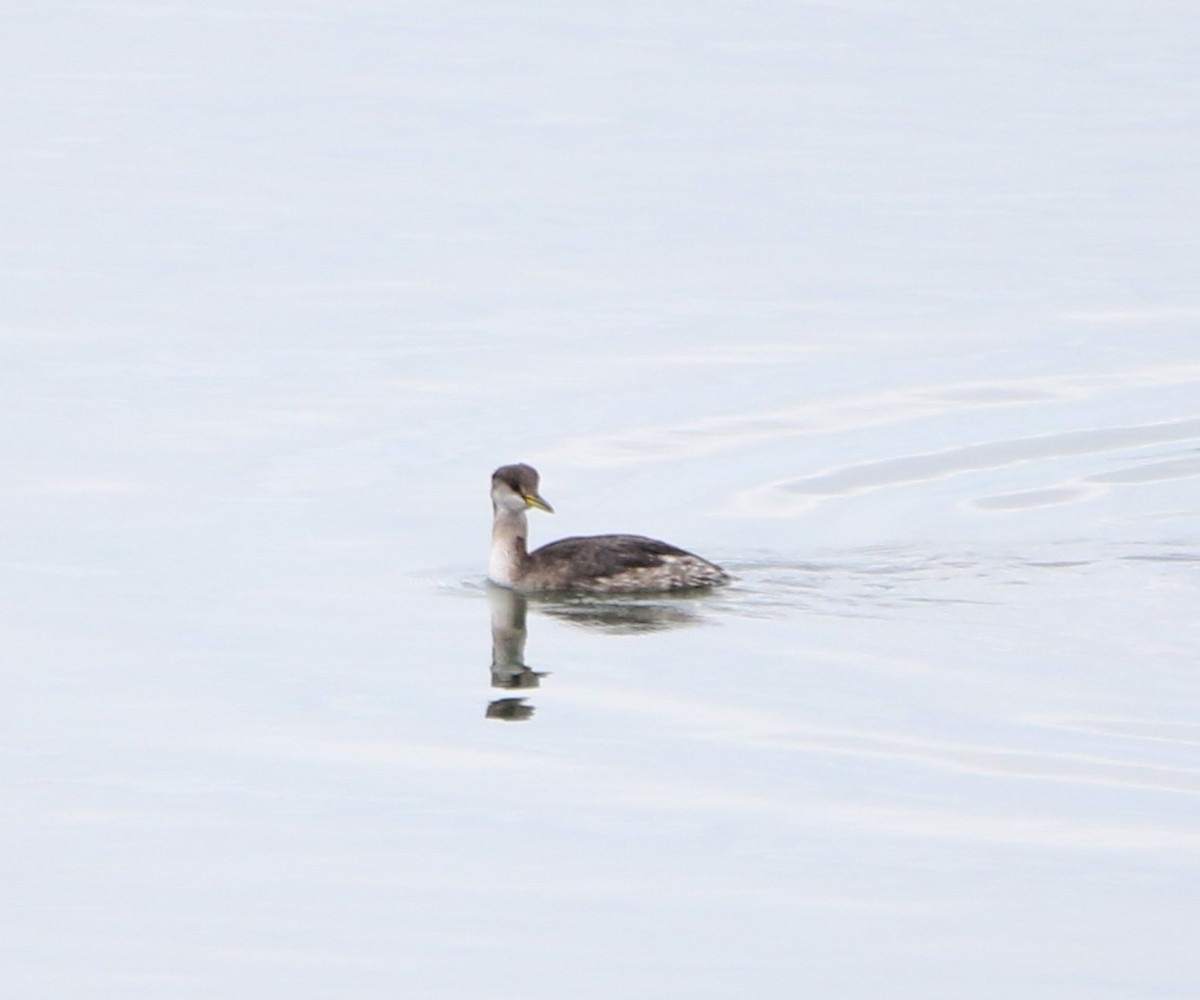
x=891 y=308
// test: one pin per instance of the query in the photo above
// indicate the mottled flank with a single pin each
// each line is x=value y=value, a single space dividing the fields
x=616 y=564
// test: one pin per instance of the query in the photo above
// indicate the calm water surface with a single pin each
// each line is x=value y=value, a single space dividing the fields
x=890 y=309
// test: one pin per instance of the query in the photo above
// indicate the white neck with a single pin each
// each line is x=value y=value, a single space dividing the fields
x=509 y=531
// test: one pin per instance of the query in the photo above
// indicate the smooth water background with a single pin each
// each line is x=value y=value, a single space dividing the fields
x=890 y=307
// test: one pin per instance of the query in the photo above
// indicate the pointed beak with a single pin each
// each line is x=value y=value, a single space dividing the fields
x=533 y=500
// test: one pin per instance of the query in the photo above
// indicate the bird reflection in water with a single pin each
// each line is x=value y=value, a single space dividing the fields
x=509 y=670
x=614 y=615
x=621 y=615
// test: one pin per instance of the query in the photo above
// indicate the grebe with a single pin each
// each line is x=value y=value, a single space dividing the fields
x=598 y=564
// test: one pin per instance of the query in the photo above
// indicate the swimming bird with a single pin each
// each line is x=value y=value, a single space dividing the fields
x=596 y=564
